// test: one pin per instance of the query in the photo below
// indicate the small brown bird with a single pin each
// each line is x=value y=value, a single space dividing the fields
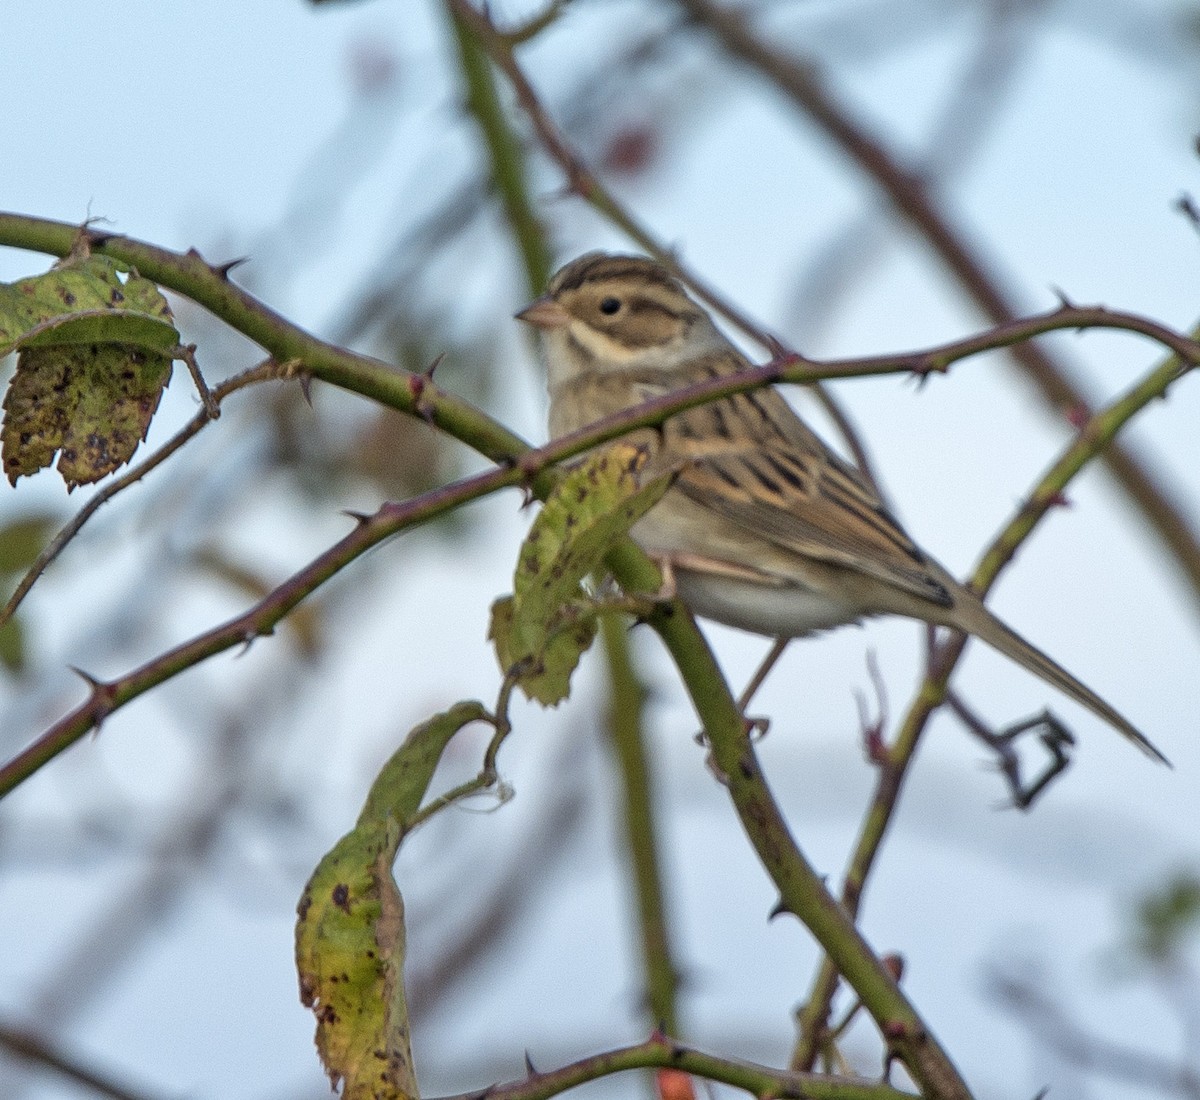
x=764 y=528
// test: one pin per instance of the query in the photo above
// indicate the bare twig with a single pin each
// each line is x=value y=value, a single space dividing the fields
x=260 y=373
x=211 y=405
x=25 y=1044
x=1055 y=1030
x=964 y=121
x=1093 y=438
x=1057 y=739
x=659 y=1051
x=639 y=808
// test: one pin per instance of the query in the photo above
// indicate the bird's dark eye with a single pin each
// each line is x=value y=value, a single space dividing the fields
x=610 y=306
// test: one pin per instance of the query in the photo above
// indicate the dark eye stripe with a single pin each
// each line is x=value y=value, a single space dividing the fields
x=649 y=305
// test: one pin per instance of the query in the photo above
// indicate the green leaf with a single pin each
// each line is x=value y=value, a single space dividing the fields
x=350 y=927
x=544 y=629
x=69 y=303
x=95 y=353
x=127 y=327
x=1167 y=917
x=404 y=779
x=22 y=539
x=544 y=676
x=12 y=644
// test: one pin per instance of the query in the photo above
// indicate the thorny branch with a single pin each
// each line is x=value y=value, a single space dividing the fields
x=895 y=760
x=659 y=1051
x=529 y=465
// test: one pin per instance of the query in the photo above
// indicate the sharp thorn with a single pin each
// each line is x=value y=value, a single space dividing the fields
x=222 y=270
x=87 y=678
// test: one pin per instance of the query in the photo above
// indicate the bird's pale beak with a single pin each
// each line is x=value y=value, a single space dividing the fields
x=544 y=312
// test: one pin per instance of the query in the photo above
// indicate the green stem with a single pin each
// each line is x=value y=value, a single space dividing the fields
x=209 y=286
x=627 y=738
x=504 y=148
x=801 y=889
x=626 y=692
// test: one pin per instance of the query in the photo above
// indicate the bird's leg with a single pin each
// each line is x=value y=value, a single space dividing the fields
x=641 y=605
x=756 y=727
x=761 y=673
x=668 y=590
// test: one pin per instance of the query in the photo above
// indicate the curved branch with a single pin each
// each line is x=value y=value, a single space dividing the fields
x=802 y=891
x=208 y=285
x=663 y=1053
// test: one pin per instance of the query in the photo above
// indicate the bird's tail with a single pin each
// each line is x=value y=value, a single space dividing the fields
x=974 y=617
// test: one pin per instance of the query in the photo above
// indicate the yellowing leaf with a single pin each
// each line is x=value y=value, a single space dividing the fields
x=594 y=506
x=69 y=303
x=545 y=675
x=95 y=352
x=350 y=931
x=92 y=404
x=544 y=629
x=350 y=956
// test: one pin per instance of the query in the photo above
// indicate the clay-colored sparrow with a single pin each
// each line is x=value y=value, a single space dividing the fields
x=765 y=528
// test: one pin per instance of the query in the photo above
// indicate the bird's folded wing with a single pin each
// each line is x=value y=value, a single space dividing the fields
x=812 y=505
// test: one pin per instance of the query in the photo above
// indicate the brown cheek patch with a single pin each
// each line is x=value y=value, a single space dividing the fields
x=644 y=324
